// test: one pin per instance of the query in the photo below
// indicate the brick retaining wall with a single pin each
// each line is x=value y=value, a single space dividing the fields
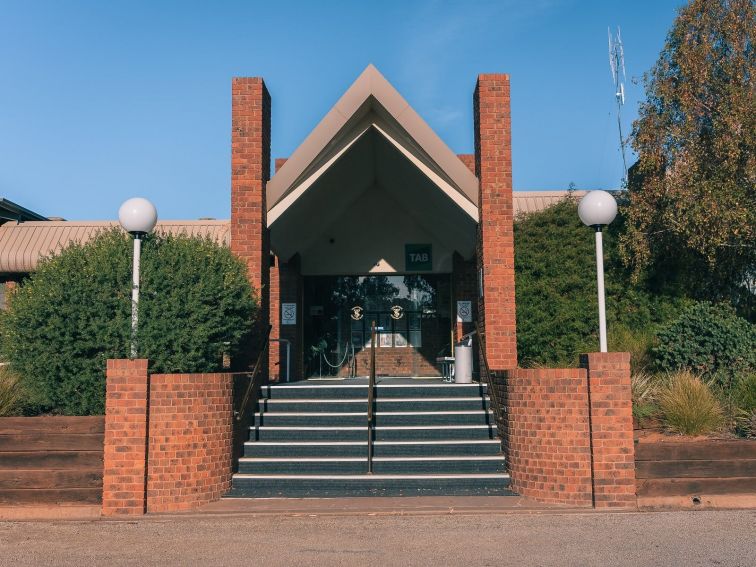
x=568 y=433
x=189 y=461
x=548 y=435
x=168 y=451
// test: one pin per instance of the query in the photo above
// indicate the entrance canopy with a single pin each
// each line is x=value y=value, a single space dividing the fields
x=371 y=179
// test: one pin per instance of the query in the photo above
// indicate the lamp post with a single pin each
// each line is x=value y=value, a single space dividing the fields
x=137 y=217
x=596 y=209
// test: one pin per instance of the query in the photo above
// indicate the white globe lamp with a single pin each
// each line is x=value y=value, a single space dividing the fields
x=597 y=209
x=138 y=217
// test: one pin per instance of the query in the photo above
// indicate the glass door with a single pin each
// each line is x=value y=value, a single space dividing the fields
x=412 y=313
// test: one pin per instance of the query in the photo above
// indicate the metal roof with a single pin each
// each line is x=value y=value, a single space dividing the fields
x=533 y=201
x=23 y=244
x=10 y=211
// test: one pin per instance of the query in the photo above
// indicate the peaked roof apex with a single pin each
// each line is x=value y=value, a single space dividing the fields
x=370 y=84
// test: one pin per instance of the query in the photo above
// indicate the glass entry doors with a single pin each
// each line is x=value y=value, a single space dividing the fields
x=412 y=313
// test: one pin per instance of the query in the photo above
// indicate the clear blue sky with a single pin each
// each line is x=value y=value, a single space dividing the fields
x=104 y=100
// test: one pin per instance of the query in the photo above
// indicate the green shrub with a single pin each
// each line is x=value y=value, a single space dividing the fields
x=638 y=342
x=11 y=393
x=688 y=406
x=74 y=313
x=710 y=340
x=557 y=306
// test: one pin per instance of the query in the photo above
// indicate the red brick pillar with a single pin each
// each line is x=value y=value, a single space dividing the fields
x=493 y=167
x=610 y=400
x=250 y=171
x=125 y=451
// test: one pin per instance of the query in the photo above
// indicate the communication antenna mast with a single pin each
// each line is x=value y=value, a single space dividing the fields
x=617 y=64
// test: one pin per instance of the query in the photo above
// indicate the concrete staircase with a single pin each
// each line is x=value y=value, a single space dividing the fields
x=310 y=440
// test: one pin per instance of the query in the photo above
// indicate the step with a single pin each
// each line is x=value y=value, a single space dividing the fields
x=380 y=448
x=359 y=433
x=309 y=390
x=351 y=405
x=381 y=465
x=381 y=418
x=333 y=486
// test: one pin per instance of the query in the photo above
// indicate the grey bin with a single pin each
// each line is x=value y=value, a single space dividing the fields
x=463 y=363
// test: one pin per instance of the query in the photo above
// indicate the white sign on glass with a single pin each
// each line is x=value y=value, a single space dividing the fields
x=464 y=311
x=288 y=313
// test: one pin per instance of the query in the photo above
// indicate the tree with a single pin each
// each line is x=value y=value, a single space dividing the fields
x=74 y=313
x=555 y=281
x=691 y=219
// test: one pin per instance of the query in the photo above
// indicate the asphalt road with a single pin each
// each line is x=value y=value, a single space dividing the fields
x=674 y=538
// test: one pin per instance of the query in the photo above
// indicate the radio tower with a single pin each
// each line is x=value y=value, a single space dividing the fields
x=617 y=64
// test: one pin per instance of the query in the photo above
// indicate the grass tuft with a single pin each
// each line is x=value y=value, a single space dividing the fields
x=11 y=393
x=688 y=405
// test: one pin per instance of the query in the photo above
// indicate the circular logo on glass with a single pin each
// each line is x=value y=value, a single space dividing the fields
x=357 y=313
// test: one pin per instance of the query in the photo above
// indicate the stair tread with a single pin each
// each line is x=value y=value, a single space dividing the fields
x=364 y=459
x=379 y=385
x=362 y=428
x=433 y=412
x=351 y=443
x=366 y=476
x=364 y=400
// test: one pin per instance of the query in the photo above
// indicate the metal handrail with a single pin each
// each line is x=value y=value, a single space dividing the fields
x=371 y=398
x=253 y=382
x=486 y=371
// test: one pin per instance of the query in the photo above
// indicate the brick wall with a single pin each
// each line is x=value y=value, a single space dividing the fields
x=125 y=451
x=568 y=433
x=548 y=434
x=168 y=439
x=493 y=167
x=611 y=428
x=190 y=425
x=397 y=361
x=250 y=171
x=279 y=162
x=468 y=160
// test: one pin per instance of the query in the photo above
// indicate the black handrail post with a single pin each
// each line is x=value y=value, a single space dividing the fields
x=497 y=409
x=252 y=383
x=371 y=394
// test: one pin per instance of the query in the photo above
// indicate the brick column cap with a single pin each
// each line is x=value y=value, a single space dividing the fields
x=493 y=77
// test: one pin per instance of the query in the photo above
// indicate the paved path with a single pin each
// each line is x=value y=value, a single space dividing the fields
x=672 y=538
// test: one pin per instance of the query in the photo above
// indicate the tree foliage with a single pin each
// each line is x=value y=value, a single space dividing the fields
x=557 y=306
x=74 y=313
x=710 y=340
x=692 y=211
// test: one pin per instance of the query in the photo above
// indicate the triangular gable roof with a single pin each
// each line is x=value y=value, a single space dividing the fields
x=346 y=121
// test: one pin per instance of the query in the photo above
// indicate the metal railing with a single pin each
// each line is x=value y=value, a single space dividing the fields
x=371 y=400
x=254 y=381
x=486 y=372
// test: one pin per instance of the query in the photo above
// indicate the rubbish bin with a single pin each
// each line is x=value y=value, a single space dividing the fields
x=463 y=363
